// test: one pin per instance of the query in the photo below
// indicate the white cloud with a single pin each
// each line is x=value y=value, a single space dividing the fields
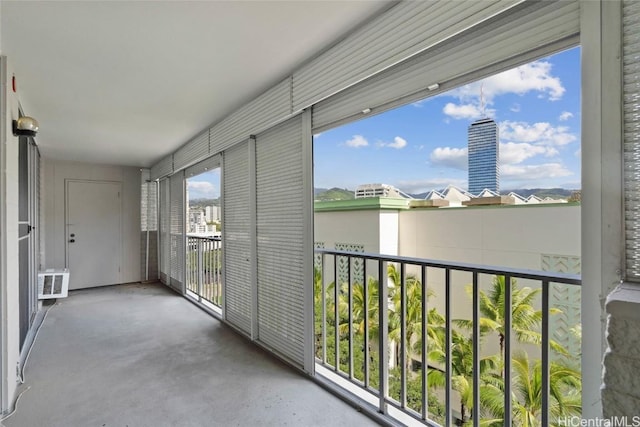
x=462 y=111
x=357 y=141
x=537 y=133
x=514 y=153
x=398 y=143
x=578 y=152
x=450 y=157
x=317 y=135
x=511 y=153
x=534 y=76
x=421 y=186
x=200 y=189
x=564 y=116
x=534 y=172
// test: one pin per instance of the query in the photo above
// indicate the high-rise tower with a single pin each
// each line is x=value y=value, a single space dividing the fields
x=484 y=156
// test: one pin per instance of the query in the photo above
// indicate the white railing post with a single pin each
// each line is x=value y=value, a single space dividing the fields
x=200 y=270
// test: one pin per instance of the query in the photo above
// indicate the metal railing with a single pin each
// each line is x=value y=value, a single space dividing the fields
x=414 y=356
x=204 y=268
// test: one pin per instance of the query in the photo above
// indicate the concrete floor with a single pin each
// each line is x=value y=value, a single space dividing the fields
x=139 y=355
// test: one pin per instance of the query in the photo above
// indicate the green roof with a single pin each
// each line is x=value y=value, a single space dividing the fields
x=366 y=203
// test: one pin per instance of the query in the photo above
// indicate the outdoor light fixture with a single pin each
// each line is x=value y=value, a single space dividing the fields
x=366 y=111
x=25 y=126
x=433 y=86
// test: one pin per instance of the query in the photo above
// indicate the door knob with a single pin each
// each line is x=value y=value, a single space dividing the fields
x=72 y=240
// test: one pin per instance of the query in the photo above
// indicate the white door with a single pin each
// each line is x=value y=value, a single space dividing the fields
x=93 y=233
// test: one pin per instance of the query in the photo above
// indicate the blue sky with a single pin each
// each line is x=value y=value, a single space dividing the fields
x=422 y=146
x=206 y=185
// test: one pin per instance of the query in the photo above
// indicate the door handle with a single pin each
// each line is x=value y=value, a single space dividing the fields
x=72 y=240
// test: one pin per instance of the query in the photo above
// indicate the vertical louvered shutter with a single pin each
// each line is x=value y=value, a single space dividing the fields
x=163 y=168
x=280 y=224
x=204 y=166
x=631 y=111
x=516 y=35
x=177 y=231
x=192 y=152
x=164 y=269
x=406 y=29
x=259 y=114
x=236 y=237
x=148 y=227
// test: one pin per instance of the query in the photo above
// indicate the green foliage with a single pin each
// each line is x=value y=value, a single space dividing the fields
x=211 y=261
x=576 y=196
x=211 y=270
x=565 y=388
x=201 y=203
x=525 y=319
x=335 y=194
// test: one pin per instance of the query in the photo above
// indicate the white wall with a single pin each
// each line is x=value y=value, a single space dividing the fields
x=9 y=250
x=357 y=226
x=501 y=236
x=53 y=194
x=388 y=232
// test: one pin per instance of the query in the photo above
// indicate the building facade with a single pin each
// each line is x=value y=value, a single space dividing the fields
x=484 y=156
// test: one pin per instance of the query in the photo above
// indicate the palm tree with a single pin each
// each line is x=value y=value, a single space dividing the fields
x=564 y=392
x=461 y=367
x=525 y=319
x=370 y=306
x=413 y=315
x=359 y=307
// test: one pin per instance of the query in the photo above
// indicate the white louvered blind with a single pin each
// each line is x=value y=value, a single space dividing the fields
x=162 y=168
x=265 y=110
x=517 y=35
x=280 y=239
x=148 y=226
x=236 y=237
x=192 y=152
x=165 y=235
x=177 y=231
x=631 y=112
x=404 y=30
x=204 y=166
x=148 y=203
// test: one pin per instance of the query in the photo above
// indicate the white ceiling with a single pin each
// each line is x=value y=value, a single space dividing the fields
x=128 y=82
